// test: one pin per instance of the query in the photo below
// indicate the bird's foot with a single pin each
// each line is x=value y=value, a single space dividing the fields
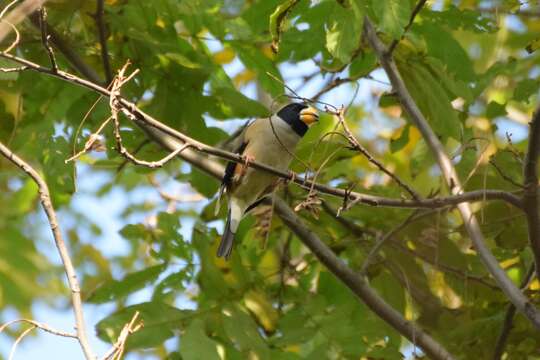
x=292 y=176
x=248 y=159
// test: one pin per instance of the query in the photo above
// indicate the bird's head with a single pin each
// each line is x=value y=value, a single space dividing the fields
x=299 y=116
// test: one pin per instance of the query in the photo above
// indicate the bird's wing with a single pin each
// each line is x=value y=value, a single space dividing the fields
x=233 y=168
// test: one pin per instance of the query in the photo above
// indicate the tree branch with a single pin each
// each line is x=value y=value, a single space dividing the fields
x=415 y=12
x=449 y=173
x=509 y=318
x=102 y=31
x=39 y=325
x=17 y=15
x=45 y=199
x=359 y=286
x=530 y=183
x=67 y=50
x=173 y=139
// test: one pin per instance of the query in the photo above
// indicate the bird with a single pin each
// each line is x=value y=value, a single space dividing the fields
x=271 y=141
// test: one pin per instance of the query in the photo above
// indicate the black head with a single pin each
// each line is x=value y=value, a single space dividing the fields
x=298 y=116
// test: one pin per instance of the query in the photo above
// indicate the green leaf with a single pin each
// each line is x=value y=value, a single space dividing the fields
x=494 y=109
x=203 y=183
x=289 y=331
x=243 y=331
x=344 y=30
x=363 y=65
x=236 y=104
x=390 y=290
x=420 y=158
x=431 y=98
x=134 y=232
x=392 y=16
x=402 y=141
x=196 y=345
x=159 y=319
x=24 y=199
x=266 y=70
x=118 y=289
x=525 y=89
x=442 y=45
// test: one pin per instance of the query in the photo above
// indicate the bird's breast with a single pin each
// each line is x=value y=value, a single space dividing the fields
x=271 y=143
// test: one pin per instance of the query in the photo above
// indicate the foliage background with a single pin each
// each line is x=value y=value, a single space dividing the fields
x=470 y=65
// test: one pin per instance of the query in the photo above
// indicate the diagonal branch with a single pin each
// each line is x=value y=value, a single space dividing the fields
x=67 y=50
x=530 y=182
x=45 y=199
x=415 y=12
x=17 y=15
x=359 y=286
x=45 y=38
x=449 y=173
x=102 y=31
x=171 y=138
x=509 y=318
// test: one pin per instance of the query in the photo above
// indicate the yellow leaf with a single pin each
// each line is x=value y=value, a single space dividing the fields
x=268 y=52
x=269 y=266
x=11 y=102
x=243 y=78
x=292 y=348
x=160 y=23
x=263 y=310
x=224 y=56
x=510 y=262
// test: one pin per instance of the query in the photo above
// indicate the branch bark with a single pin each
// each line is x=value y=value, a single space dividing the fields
x=67 y=50
x=102 y=31
x=449 y=173
x=530 y=182
x=359 y=286
x=509 y=318
x=164 y=134
x=45 y=199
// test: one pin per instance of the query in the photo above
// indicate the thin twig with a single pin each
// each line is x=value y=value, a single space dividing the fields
x=45 y=200
x=332 y=85
x=39 y=325
x=382 y=240
x=20 y=13
x=504 y=176
x=18 y=340
x=451 y=177
x=174 y=139
x=13 y=69
x=66 y=49
x=116 y=352
x=193 y=197
x=114 y=103
x=415 y=12
x=90 y=144
x=396 y=244
x=358 y=147
x=45 y=38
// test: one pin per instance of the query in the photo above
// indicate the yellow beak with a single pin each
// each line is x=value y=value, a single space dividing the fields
x=309 y=115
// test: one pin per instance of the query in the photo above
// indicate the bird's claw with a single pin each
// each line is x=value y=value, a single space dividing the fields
x=248 y=159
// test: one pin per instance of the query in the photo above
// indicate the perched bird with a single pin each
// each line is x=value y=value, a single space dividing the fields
x=270 y=141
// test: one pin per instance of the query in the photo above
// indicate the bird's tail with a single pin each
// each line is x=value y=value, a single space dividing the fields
x=234 y=215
